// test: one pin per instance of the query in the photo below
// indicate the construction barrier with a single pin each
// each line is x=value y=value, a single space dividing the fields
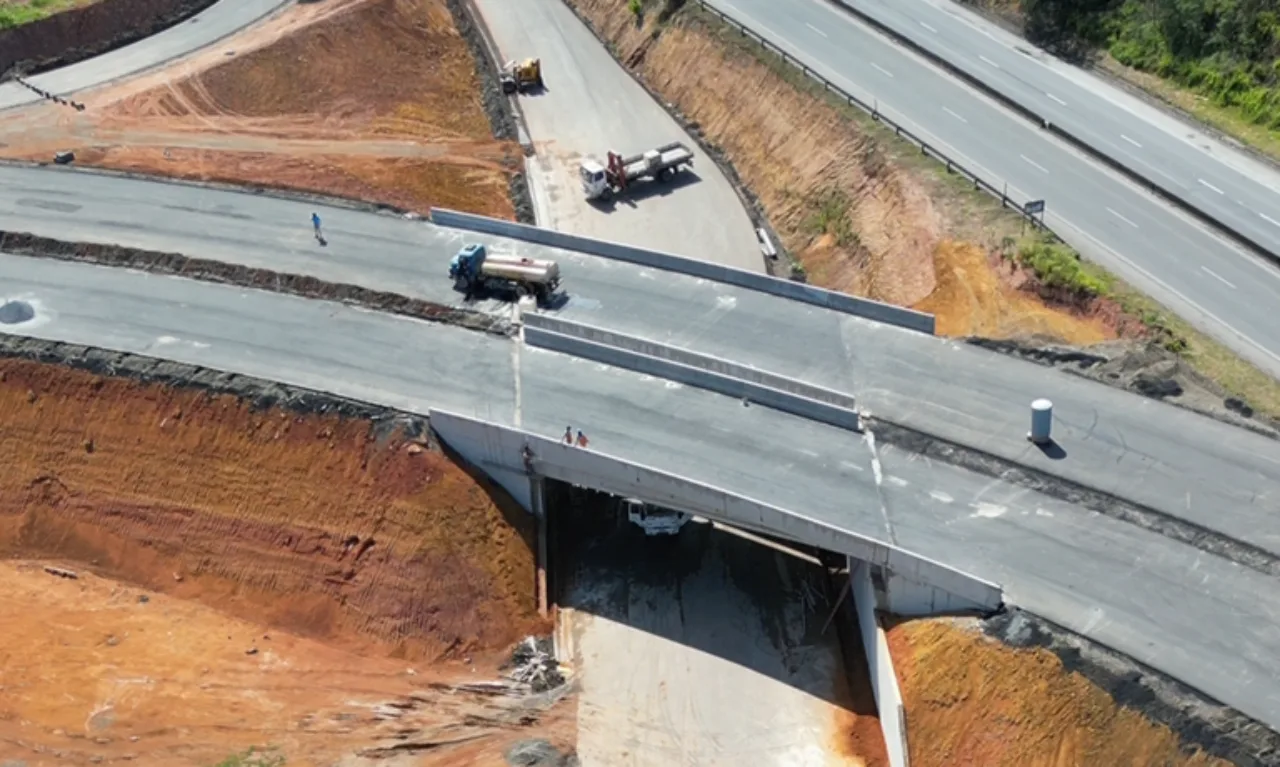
x=827 y=299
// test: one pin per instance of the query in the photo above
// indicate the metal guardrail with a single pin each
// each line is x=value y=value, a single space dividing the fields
x=925 y=147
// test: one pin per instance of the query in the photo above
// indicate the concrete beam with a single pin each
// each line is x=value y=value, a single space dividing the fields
x=797 y=291
x=701 y=370
x=501 y=450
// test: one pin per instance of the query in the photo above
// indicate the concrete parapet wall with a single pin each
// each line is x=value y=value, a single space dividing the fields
x=693 y=369
x=827 y=299
x=884 y=681
x=499 y=450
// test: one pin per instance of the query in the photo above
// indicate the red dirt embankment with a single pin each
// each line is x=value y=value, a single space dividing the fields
x=312 y=524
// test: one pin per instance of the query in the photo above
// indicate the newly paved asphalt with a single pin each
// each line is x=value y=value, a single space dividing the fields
x=218 y=21
x=591 y=106
x=1226 y=291
x=1185 y=465
x=1195 y=616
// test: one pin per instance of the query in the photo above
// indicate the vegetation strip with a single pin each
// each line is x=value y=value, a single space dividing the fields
x=1139 y=515
x=206 y=270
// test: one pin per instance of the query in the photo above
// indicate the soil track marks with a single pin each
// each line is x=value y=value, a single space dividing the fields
x=373 y=99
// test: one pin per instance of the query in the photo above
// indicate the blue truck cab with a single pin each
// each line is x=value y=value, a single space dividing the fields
x=465 y=265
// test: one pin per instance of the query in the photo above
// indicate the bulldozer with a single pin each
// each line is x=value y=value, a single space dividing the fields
x=522 y=76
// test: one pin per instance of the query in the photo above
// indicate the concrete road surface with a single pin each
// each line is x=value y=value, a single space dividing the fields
x=1217 y=476
x=1212 y=283
x=705 y=650
x=220 y=20
x=1211 y=623
x=1239 y=191
x=591 y=106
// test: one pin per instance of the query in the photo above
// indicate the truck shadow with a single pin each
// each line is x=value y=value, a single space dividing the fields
x=646 y=190
x=710 y=591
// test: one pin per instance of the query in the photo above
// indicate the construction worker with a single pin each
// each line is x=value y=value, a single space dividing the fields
x=582 y=439
x=568 y=435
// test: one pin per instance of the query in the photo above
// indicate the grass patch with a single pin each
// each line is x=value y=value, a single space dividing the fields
x=253 y=758
x=15 y=15
x=830 y=217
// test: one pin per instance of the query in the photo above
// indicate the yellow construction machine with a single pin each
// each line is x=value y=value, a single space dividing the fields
x=522 y=76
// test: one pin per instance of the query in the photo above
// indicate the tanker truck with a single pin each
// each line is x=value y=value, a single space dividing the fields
x=475 y=271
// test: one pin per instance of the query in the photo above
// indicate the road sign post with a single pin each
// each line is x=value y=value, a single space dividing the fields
x=1032 y=207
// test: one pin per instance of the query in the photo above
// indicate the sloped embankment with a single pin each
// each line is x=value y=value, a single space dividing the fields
x=297 y=510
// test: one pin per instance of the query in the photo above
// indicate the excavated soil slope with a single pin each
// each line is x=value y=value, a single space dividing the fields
x=97 y=672
x=372 y=99
x=855 y=206
x=971 y=700
x=332 y=528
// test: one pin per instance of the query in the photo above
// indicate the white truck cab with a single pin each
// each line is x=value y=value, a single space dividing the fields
x=594 y=183
x=654 y=520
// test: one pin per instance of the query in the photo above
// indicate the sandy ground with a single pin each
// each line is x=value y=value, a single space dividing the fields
x=97 y=672
x=971 y=700
x=862 y=212
x=302 y=101
x=323 y=526
x=708 y=650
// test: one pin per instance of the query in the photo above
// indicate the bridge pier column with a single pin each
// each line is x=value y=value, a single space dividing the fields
x=538 y=501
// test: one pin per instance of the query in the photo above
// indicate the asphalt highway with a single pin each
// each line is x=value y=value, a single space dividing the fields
x=592 y=106
x=205 y=28
x=1164 y=151
x=1210 y=623
x=1218 y=286
x=1185 y=465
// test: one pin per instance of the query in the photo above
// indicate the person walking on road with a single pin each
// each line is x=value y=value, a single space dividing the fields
x=582 y=439
x=315 y=224
x=568 y=435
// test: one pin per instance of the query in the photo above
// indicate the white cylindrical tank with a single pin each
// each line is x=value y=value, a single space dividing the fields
x=1041 y=421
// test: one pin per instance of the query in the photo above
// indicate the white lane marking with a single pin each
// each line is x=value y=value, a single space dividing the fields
x=1033 y=163
x=989 y=61
x=1131 y=141
x=1269 y=219
x=940 y=496
x=1218 y=277
x=926 y=26
x=953 y=114
x=1055 y=98
x=1210 y=186
x=815 y=29
x=1122 y=218
x=882 y=69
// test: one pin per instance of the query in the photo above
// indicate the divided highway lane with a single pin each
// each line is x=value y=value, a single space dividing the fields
x=220 y=20
x=1188 y=466
x=1210 y=623
x=1186 y=167
x=1224 y=290
x=591 y=106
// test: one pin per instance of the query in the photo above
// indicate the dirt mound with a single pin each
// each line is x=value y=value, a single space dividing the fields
x=326 y=526
x=971 y=700
x=371 y=99
x=80 y=33
x=112 y=674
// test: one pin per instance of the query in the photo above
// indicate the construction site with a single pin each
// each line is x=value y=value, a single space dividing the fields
x=199 y=564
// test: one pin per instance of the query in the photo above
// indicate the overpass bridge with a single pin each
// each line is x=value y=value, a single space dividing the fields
x=1166 y=602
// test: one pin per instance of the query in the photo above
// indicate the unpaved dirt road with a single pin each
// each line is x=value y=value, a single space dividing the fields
x=707 y=650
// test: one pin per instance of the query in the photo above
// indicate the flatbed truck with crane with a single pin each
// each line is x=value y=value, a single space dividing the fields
x=602 y=182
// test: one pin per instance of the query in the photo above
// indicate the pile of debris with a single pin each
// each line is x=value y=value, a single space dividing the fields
x=533 y=665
